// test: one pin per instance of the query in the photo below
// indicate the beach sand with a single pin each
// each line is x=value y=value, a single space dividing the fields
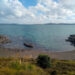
x=8 y=52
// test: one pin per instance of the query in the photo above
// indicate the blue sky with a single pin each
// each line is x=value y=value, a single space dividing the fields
x=37 y=11
x=28 y=3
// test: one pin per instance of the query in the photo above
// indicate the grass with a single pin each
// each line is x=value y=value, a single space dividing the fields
x=12 y=66
x=62 y=67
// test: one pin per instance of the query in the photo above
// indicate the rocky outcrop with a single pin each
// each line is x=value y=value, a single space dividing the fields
x=4 y=39
x=28 y=45
x=71 y=39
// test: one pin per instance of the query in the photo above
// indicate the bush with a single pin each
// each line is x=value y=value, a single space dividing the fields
x=54 y=73
x=43 y=61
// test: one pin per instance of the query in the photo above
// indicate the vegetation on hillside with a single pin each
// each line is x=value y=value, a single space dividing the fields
x=43 y=61
x=12 y=66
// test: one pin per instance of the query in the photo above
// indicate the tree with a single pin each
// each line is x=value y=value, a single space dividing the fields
x=43 y=61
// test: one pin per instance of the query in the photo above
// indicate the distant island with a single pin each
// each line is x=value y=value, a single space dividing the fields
x=59 y=24
x=38 y=24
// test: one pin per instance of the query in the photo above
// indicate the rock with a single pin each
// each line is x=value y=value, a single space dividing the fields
x=28 y=45
x=4 y=39
x=71 y=39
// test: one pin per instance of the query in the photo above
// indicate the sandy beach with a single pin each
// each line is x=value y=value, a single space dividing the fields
x=8 y=52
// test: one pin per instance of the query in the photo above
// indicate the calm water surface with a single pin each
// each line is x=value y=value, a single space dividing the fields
x=48 y=37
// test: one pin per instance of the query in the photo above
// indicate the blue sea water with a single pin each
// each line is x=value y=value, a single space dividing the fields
x=48 y=37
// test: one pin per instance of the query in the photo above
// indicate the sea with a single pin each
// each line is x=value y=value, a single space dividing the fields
x=43 y=37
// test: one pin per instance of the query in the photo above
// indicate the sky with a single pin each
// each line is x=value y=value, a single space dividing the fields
x=37 y=11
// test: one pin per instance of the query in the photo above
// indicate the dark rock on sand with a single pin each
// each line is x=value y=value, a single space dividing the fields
x=4 y=39
x=28 y=45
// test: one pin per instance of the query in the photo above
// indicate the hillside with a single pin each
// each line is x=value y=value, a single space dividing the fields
x=13 y=66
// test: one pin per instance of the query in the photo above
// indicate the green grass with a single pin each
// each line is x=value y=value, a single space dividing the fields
x=62 y=67
x=11 y=66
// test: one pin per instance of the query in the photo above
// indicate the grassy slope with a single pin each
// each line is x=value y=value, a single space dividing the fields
x=10 y=66
x=63 y=67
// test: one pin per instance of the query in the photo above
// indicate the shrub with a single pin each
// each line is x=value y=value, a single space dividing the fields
x=43 y=61
x=54 y=73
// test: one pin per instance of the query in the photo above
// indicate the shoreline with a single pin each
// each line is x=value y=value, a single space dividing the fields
x=15 y=52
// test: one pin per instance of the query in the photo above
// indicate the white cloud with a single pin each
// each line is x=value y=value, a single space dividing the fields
x=70 y=4
x=45 y=11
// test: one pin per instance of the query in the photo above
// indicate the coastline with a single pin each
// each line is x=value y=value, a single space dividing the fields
x=15 y=52
x=32 y=52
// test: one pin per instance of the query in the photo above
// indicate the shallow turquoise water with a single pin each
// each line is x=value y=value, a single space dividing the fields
x=49 y=37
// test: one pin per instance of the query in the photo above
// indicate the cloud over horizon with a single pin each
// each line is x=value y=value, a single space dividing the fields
x=45 y=11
